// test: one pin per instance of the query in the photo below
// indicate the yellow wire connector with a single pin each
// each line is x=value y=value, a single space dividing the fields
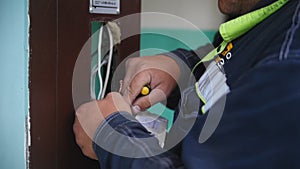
x=145 y=90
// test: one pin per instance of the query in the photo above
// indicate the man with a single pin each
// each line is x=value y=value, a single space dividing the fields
x=258 y=100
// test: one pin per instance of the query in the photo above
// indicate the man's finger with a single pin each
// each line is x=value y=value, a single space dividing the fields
x=156 y=95
x=132 y=88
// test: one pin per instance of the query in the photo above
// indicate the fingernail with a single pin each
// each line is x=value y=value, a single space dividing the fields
x=136 y=109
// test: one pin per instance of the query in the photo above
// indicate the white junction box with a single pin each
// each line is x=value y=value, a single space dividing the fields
x=105 y=6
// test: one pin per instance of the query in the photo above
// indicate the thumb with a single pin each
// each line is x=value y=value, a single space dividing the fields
x=142 y=103
x=133 y=87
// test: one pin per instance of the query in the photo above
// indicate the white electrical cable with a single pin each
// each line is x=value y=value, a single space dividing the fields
x=110 y=55
x=93 y=78
x=92 y=86
x=99 y=62
x=97 y=69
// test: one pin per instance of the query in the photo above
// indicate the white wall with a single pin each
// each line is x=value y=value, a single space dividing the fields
x=202 y=13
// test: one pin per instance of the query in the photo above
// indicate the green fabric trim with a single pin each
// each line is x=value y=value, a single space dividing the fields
x=201 y=98
x=239 y=26
x=236 y=28
x=202 y=110
x=199 y=94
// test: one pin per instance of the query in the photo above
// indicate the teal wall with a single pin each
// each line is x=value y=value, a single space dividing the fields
x=157 y=40
x=14 y=82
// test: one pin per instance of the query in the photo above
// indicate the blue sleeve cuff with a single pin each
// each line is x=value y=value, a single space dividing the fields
x=110 y=124
x=122 y=142
x=114 y=120
x=121 y=133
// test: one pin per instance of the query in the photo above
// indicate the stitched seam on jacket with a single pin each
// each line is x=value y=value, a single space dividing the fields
x=285 y=48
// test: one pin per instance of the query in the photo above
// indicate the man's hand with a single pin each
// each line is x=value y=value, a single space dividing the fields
x=160 y=72
x=83 y=140
x=90 y=115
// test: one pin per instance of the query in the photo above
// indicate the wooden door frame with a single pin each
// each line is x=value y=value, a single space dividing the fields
x=58 y=30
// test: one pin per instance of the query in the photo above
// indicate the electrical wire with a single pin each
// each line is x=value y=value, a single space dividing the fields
x=96 y=70
x=110 y=55
x=99 y=62
x=92 y=86
x=93 y=77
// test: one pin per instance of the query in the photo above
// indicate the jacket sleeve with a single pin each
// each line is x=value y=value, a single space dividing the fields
x=122 y=142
